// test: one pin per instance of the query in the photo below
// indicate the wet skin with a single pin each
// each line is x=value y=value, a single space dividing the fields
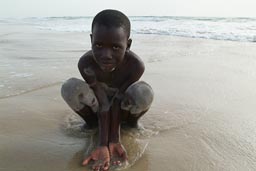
x=110 y=61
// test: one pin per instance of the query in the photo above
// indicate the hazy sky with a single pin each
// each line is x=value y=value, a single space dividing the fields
x=40 y=8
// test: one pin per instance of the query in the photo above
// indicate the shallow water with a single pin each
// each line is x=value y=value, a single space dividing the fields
x=135 y=141
x=202 y=117
x=27 y=57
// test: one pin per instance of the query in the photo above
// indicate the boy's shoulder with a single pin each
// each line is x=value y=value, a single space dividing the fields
x=132 y=57
x=86 y=59
x=134 y=63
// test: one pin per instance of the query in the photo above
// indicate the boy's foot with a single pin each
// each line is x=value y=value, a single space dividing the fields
x=85 y=127
x=127 y=125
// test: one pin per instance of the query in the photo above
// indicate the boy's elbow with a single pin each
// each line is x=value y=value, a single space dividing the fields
x=141 y=69
x=80 y=64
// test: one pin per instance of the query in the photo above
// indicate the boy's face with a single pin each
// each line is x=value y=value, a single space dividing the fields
x=109 y=46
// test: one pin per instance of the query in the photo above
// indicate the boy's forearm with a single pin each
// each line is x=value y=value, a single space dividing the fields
x=101 y=97
x=103 y=119
x=103 y=115
x=114 y=136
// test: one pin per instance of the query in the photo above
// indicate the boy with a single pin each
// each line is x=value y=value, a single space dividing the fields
x=111 y=94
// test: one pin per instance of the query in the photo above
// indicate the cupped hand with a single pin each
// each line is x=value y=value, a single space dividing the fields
x=101 y=158
x=117 y=153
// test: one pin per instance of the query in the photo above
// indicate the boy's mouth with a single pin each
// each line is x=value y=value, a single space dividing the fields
x=108 y=67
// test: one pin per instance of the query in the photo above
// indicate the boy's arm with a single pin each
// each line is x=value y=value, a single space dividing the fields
x=115 y=147
x=138 y=70
x=103 y=113
x=85 y=66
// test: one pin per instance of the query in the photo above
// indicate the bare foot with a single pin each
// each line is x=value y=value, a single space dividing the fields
x=117 y=153
x=101 y=158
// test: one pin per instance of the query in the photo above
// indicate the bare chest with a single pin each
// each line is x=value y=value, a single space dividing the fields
x=114 y=79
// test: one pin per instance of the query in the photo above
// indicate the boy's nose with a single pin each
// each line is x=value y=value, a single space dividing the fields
x=107 y=54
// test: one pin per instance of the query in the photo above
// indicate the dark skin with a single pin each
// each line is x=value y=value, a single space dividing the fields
x=110 y=61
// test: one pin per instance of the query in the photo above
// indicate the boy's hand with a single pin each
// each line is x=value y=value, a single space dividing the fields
x=117 y=153
x=101 y=158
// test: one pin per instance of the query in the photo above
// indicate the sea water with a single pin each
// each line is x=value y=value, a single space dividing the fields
x=233 y=29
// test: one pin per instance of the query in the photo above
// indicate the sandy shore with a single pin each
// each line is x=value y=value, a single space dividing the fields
x=204 y=107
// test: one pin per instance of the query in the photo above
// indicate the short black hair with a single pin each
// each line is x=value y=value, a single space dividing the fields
x=112 y=18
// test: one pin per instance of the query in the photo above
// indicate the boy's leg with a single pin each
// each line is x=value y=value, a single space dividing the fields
x=80 y=97
x=131 y=120
x=136 y=102
x=89 y=117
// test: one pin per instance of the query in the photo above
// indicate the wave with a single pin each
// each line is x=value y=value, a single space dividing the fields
x=220 y=28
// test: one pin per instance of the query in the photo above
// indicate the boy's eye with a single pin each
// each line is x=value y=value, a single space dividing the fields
x=98 y=45
x=116 y=47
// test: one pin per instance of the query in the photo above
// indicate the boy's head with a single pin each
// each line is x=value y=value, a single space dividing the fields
x=112 y=18
x=110 y=39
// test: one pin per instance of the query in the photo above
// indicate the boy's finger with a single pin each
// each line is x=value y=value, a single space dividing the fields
x=96 y=168
x=106 y=166
x=124 y=156
x=86 y=161
x=120 y=150
x=118 y=163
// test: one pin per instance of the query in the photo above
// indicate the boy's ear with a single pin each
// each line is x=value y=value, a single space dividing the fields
x=91 y=37
x=129 y=43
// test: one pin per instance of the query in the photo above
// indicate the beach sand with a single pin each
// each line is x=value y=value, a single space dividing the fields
x=202 y=117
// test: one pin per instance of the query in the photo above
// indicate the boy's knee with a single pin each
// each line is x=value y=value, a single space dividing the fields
x=138 y=98
x=77 y=94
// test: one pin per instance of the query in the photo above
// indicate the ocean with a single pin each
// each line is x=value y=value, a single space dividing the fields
x=232 y=29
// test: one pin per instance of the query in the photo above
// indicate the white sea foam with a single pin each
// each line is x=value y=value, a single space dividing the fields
x=22 y=75
x=234 y=29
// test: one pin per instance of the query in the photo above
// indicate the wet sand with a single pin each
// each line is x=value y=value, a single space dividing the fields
x=203 y=114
